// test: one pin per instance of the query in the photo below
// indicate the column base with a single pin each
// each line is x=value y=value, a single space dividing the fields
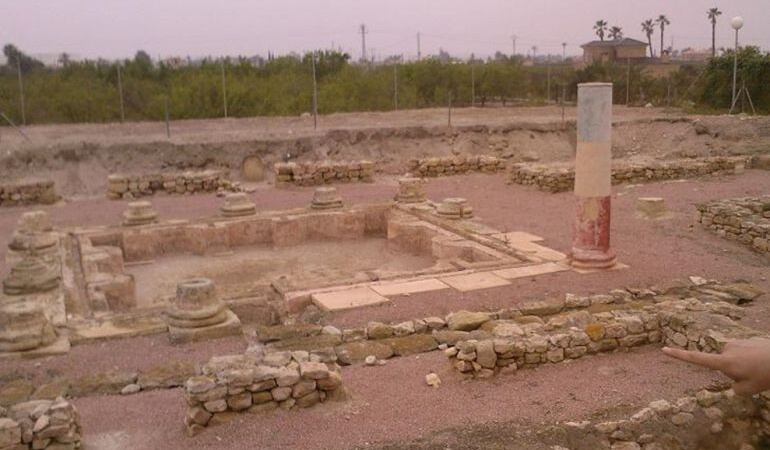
x=592 y=259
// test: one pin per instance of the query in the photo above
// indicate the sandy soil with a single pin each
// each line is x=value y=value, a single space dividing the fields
x=78 y=158
x=606 y=385
x=305 y=266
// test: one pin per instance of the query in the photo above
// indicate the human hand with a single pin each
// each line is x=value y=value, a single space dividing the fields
x=746 y=361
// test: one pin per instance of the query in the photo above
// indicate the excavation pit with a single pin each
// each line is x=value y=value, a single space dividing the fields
x=274 y=263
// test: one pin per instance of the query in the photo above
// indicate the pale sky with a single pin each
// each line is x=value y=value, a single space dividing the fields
x=117 y=28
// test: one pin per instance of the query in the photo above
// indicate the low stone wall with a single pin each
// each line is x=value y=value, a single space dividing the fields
x=326 y=172
x=746 y=220
x=560 y=178
x=687 y=423
x=454 y=165
x=383 y=341
x=257 y=382
x=28 y=193
x=122 y=186
x=40 y=424
x=684 y=323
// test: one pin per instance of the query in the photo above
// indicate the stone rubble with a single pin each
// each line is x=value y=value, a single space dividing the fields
x=455 y=165
x=255 y=383
x=325 y=172
x=746 y=220
x=560 y=178
x=39 y=425
x=41 y=192
x=122 y=186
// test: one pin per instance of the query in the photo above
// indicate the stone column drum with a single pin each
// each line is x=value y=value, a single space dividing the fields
x=139 y=213
x=24 y=327
x=593 y=173
x=238 y=204
x=197 y=313
x=326 y=198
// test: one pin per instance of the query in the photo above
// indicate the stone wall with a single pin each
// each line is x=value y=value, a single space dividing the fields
x=258 y=382
x=746 y=220
x=560 y=178
x=709 y=419
x=383 y=341
x=684 y=323
x=454 y=165
x=325 y=172
x=40 y=424
x=122 y=186
x=28 y=193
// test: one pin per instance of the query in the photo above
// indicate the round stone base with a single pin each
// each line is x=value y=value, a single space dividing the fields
x=592 y=259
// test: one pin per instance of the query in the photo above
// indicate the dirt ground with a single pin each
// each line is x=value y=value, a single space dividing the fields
x=390 y=404
x=78 y=158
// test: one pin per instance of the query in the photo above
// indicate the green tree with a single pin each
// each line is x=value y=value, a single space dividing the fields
x=662 y=21
x=712 y=14
x=600 y=27
x=648 y=26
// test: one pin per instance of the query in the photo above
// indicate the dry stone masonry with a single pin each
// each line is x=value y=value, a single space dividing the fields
x=121 y=186
x=559 y=178
x=455 y=165
x=257 y=382
x=708 y=419
x=675 y=320
x=28 y=193
x=325 y=172
x=40 y=425
x=746 y=220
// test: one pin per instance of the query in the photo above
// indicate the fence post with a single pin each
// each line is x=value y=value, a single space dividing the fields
x=315 y=96
x=21 y=91
x=120 y=93
x=224 y=87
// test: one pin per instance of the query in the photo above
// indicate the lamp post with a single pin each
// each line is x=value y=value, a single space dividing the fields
x=737 y=24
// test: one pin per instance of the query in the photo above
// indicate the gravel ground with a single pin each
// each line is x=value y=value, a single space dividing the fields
x=656 y=251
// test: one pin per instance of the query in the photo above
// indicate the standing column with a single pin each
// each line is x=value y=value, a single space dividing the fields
x=591 y=242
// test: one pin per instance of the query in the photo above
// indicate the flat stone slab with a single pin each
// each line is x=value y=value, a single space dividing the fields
x=617 y=266
x=347 y=299
x=519 y=236
x=409 y=287
x=230 y=327
x=530 y=271
x=109 y=329
x=474 y=281
x=60 y=346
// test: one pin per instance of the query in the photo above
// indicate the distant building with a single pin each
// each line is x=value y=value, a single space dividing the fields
x=614 y=50
x=695 y=55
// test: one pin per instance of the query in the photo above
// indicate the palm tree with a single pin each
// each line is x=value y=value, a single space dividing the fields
x=662 y=21
x=648 y=26
x=713 y=13
x=616 y=32
x=600 y=27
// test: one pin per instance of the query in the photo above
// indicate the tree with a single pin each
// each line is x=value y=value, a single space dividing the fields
x=16 y=59
x=713 y=13
x=616 y=32
x=648 y=26
x=600 y=27
x=662 y=21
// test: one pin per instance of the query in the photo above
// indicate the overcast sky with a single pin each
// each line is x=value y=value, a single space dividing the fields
x=117 y=28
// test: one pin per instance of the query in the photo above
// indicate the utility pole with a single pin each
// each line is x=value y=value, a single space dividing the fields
x=315 y=96
x=363 y=42
x=120 y=93
x=419 y=50
x=395 y=87
x=628 y=80
x=563 y=51
x=224 y=87
x=21 y=90
x=449 y=109
x=168 y=125
x=513 y=40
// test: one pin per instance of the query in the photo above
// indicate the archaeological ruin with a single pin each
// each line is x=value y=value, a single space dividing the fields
x=492 y=283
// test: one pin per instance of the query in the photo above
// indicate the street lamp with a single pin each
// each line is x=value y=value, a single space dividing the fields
x=737 y=24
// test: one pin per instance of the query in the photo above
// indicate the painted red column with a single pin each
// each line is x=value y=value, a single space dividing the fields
x=593 y=160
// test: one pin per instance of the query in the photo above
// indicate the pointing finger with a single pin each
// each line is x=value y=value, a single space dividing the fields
x=710 y=360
